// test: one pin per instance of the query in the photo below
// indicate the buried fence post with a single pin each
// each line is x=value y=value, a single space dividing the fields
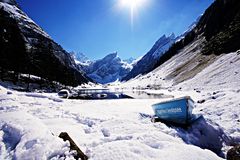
x=73 y=146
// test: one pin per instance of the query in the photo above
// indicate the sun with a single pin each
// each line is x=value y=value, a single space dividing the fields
x=133 y=4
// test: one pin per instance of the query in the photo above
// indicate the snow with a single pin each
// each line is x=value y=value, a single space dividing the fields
x=121 y=129
x=189 y=29
x=108 y=69
x=107 y=129
x=81 y=59
x=129 y=60
x=23 y=20
x=22 y=136
x=158 y=77
x=164 y=43
x=223 y=73
x=216 y=88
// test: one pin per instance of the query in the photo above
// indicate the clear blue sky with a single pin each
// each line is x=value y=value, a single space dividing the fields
x=99 y=27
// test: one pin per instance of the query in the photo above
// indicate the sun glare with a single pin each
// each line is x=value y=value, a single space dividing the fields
x=133 y=5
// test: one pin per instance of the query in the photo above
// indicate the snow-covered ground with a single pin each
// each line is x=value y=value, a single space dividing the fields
x=108 y=129
x=216 y=89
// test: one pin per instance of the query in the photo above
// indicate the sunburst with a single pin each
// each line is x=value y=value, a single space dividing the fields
x=134 y=5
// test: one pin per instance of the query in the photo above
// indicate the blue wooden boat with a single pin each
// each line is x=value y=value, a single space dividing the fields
x=177 y=111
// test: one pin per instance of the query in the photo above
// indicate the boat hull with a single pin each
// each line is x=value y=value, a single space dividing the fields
x=177 y=111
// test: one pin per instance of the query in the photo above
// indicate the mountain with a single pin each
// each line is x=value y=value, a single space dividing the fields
x=106 y=70
x=189 y=29
x=215 y=35
x=220 y=25
x=148 y=61
x=81 y=59
x=26 y=48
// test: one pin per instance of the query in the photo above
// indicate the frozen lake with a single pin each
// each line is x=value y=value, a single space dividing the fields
x=98 y=94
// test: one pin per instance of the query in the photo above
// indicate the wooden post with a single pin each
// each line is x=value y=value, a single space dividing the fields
x=73 y=146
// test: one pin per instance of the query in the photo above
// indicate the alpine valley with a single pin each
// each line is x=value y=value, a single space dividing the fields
x=104 y=108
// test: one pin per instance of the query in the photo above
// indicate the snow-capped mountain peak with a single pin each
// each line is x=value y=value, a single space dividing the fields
x=111 y=57
x=163 y=44
x=108 y=69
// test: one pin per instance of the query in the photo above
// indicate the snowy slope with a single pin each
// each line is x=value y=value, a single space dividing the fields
x=24 y=21
x=192 y=70
x=216 y=87
x=103 y=129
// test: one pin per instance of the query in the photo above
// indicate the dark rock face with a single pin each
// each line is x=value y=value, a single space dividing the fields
x=11 y=42
x=220 y=25
x=26 y=48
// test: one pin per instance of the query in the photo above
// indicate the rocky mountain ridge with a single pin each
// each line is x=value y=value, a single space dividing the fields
x=26 y=48
x=108 y=69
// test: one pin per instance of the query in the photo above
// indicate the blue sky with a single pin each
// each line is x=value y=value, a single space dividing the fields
x=99 y=27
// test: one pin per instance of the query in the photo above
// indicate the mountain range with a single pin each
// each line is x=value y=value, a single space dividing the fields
x=26 y=48
x=108 y=69
x=216 y=34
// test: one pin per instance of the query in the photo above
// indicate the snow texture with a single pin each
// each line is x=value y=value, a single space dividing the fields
x=107 y=129
x=215 y=88
x=23 y=136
